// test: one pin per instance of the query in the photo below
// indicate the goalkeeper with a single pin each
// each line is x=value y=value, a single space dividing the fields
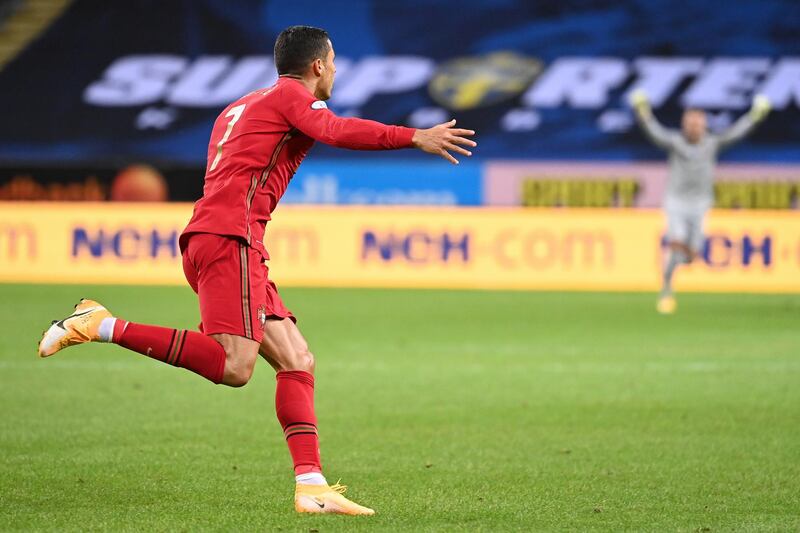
x=689 y=192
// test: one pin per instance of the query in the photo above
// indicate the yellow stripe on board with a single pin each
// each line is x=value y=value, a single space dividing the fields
x=29 y=20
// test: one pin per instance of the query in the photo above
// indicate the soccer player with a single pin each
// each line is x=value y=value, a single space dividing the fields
x=256 y=145
x=690 y=190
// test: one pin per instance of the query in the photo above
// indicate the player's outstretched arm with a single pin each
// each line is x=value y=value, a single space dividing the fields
x=658 y=134
x=444 y=138
x=313 y=118
x=746 y=123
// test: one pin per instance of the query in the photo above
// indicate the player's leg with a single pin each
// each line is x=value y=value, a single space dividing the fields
x=696 y=239
x=285 y=348
x=241 y=354
x=287 y=351
x=225 y=358
x=687 y=238
x=678 y=253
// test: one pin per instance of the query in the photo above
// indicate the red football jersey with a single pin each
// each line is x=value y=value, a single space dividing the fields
x=256 y=145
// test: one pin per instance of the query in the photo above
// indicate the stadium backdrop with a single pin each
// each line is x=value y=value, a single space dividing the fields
x=554 y=132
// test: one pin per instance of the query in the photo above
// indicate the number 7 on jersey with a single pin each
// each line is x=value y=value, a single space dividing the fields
x=234 y=113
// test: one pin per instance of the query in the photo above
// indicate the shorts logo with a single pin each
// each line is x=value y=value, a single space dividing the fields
x=262 y=315
x=319 y=104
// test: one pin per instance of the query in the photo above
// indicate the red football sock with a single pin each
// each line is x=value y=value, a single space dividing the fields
x=294 y=404
x=187 y=349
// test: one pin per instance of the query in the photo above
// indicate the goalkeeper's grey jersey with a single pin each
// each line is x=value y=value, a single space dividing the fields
x=691 y=166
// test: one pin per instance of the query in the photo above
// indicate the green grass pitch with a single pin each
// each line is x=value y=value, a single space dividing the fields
x=465 y=411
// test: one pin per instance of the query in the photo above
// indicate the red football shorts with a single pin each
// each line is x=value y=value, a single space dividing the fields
x=232 y=282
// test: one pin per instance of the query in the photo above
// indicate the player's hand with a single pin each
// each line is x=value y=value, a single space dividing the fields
x=639 y=102
x=444 y=138
x=761 y=108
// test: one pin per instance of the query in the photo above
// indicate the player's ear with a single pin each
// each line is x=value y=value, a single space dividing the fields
x=317 y=66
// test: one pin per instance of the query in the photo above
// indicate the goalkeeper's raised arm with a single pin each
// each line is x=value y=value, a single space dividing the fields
x=658 y=134
x=759 y=110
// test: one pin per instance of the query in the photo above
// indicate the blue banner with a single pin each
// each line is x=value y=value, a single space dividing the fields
x=120 y=81
x=389 y=183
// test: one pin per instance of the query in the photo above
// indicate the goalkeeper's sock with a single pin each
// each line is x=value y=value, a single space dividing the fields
x=178 y=347
x=294 y=405
x=675 y=258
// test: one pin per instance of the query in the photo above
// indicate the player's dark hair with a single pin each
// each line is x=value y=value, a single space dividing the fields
x=297 y=46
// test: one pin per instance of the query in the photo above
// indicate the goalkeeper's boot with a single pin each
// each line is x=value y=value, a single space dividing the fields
x=326 y=499
x=666 y=305
x=81 y=326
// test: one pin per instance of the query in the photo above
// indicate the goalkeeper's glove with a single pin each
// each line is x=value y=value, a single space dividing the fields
x=639 y=102
x=761 y=108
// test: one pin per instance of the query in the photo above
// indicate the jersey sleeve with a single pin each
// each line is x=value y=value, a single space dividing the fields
x=658 y=134
x=313 y=118
x=740 y=129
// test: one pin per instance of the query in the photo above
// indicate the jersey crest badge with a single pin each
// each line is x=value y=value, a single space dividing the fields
x=319 y=104
x=262 y=315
